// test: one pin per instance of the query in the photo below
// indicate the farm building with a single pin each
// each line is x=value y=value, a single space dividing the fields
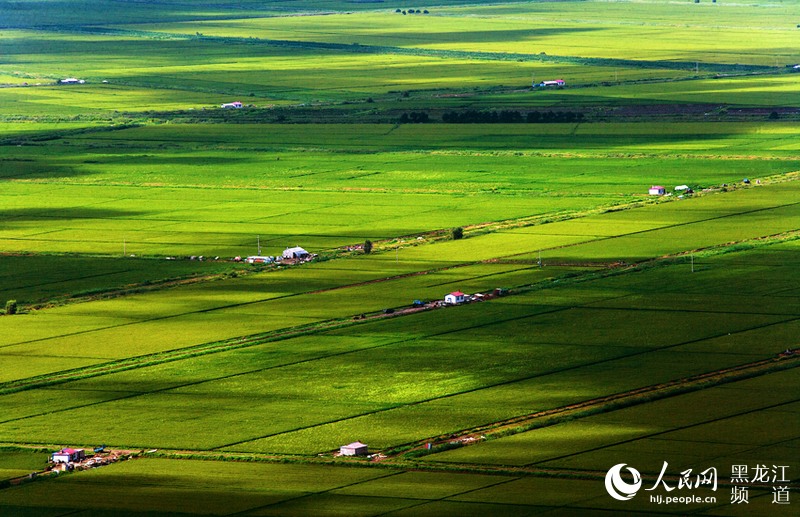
x=295 y=253
x=556 y=83
x=455 y=298
x=68 y=456
x=354 y=449
x=257 y=259
x=230 y=105
x=657 y=190
x=71 y=80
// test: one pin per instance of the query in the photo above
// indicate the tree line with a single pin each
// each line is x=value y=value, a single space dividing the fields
x=495 y=117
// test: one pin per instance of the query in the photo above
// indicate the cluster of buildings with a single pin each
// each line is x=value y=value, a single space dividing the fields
x=555 y=83
x=659 y=190
x=68 y=456
x=296 y=254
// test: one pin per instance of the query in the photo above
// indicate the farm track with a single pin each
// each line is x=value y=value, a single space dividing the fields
x=613 y=402
x=502 y=428
x=281 y=334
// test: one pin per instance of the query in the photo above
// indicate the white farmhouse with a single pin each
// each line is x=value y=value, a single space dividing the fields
x=68 y=455
x=455 y=298
x=354 y=449
x=294 y=253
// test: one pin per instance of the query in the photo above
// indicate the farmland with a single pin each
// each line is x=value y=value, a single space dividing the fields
x=613 y=326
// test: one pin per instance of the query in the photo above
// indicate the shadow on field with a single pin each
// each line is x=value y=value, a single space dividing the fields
x=16 y=215
x=487 y=36
x=13 y=169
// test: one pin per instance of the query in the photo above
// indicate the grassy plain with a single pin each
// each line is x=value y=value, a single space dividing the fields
x=275 y=364
x=210 y=190
x=659 y=29
x=537 y=362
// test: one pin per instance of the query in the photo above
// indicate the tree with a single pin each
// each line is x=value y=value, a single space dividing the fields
x=367 y=246
x=457 y=233
x=11 y=307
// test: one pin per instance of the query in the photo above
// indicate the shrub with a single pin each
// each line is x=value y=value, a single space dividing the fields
x=457 y=233
x=11 y=307
x=367 y=246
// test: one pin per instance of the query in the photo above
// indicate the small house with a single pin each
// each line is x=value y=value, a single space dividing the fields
x=295 y=253
x=72 y=80
x=232 y=105
x=657 y=190
x=68 y=456
x=354 y=449
x=455 y=298
x=556 y=83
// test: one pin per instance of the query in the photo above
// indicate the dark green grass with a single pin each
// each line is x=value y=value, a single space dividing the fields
x=15 y=463
x=42 y=278
x=505 y=358
x=687 y=431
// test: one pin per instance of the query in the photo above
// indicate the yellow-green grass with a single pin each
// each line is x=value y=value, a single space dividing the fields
x=16 y=463
x=711 y=139
x=180 y=317
x=749 y=421
x=506 y=358
x=187 y=487
x=750 y=91
x=93 y=99
x=147 y=74
x=22 y=277
x=624 y=30
x=183 y=487
x=275 y=181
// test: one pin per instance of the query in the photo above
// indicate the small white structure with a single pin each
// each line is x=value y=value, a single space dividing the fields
x=354 y=449
x=682 y=188
x=657 y=190
x=295 y=253
x=455 y=298
x=68 y=455
x=556 y=83
x=258 y=259
x=71 y=80
x=232 y=105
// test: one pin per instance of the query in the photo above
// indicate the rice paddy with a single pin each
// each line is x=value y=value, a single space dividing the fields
x=632 y=328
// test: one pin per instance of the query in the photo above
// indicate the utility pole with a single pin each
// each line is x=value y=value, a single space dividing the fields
x=692 y=262
x=258 y=240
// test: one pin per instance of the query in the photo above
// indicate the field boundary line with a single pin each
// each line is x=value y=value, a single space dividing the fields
x=708 y=67
x=610 y=403
x=326 y=325
x=506 y=381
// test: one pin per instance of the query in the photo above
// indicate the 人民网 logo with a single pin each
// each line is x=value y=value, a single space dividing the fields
x=617 y=487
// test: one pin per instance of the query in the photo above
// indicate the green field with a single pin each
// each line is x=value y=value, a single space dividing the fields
x=633 y=328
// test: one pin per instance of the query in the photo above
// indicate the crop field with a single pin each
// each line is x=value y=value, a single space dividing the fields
x=688 y=428
x=410 y=150
x=201 y=190
x=530 y=28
